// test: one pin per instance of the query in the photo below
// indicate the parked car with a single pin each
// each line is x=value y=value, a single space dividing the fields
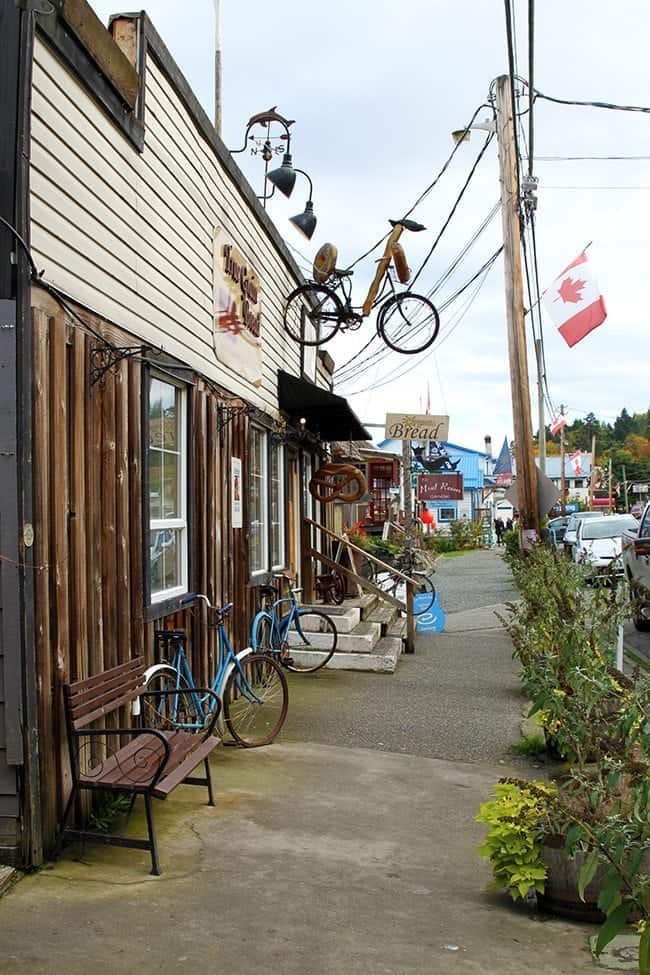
x=599 y=542
x=572 y=527
x=636 y=509
x=636 y=562
x=556 y=528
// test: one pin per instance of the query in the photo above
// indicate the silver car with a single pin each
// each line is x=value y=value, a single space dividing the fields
x=572 y=528
x=599 y=541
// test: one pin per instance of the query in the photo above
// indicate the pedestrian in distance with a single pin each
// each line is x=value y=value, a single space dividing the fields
x=499 y=528
x=509 y=525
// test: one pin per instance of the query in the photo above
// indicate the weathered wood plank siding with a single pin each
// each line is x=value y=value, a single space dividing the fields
x=130 y=235
x=88 y=546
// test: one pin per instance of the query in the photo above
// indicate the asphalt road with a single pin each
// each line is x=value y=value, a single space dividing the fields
x=457 y=697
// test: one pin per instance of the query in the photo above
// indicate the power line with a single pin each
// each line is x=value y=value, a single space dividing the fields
x=356 y=365
x=427 y=190
x=356 y=360
x=397 y=374
x=611 y=106
x=454 y=208
x=590 y=158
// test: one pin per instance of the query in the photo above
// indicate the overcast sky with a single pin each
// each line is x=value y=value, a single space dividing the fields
x=376 y=89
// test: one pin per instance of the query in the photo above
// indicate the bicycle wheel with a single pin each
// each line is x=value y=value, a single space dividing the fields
x=408 y=323
x=261 y=637
x=255 y=700
x=338 y=588
x=425 y=591
x=309 y=641
x=171 y=711
x=313 y=314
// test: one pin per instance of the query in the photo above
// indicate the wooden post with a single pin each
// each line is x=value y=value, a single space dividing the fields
x=526 y=475
x=408 y=541
x=624 y=483
x=562 y=472
x=592 y=473
x=609 y=487
x=540 y=406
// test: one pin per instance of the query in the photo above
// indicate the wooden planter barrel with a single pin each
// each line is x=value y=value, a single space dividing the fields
x=561 y=886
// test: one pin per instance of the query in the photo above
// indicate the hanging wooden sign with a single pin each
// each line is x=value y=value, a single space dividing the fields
x=338 y=482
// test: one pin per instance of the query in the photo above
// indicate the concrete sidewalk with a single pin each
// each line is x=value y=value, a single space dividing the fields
x=347 y=848
x=318 y=860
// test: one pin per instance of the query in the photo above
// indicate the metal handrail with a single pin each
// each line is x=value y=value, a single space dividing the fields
x=355 y=548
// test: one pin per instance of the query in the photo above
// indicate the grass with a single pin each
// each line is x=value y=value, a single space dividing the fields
x=454 y=555
x=529 y=745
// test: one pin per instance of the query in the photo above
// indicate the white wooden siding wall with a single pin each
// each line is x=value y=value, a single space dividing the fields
x=130 y=235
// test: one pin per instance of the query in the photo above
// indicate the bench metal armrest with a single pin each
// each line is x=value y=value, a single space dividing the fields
x=192 y=690
x=106 y=732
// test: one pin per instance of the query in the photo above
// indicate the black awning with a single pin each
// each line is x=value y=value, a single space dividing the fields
x=325 y=413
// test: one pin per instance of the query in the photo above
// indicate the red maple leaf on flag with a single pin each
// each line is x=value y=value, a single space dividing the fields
x=570 y=290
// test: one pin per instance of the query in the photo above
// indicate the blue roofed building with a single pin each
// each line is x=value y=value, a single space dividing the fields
x=443 y=457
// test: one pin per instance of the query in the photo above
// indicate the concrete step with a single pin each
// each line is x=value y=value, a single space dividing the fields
x=362 y=639
x=383 y=658
x=397 y=628
x=345 y=617
x=384 y=615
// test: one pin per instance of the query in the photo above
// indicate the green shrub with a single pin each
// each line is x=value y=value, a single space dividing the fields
x=465 y=534
x=512 y=548
x=515 y=817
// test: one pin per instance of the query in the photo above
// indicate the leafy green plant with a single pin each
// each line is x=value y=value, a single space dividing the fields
x=511 y=548
x=530 y=745
x=107 y=808
x=515 y=817
x=465 y=534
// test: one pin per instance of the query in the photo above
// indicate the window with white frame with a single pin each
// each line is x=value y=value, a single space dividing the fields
x=276 y=481
x=446 y=514
x=258 y=501
x=167 y=477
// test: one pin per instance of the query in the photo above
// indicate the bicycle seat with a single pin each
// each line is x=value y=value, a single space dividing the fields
x=225 y=609
x=294 y=591
x=407 y=224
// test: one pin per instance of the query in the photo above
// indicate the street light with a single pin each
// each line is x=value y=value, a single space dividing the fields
x=284 y=177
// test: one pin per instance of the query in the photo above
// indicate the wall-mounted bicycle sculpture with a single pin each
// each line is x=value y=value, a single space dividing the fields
x=406 y=322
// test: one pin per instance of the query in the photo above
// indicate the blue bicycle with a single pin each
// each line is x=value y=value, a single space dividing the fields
x=251 y=685
x=302 y=639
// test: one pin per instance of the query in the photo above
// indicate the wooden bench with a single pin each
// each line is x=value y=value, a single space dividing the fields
x=152 y=762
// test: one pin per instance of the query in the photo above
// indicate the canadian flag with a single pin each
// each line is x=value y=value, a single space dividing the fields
x=574 y=301
x=557 y=424
x=576 y=461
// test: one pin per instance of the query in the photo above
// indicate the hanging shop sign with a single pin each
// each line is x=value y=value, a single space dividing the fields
x=414 y=426
x=338 y=482
x=440 y=487
x=237 y=513
x=237 y=310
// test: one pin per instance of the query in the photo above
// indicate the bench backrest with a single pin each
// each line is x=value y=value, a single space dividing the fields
x=90 y=699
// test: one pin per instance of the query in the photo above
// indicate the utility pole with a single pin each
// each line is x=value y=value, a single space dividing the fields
x=526 y=473
x=624 y=483
x=562 y=470
x=592 y=475
x=540 y=407
x=609 y=490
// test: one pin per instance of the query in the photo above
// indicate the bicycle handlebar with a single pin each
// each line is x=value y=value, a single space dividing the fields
x=191 y=597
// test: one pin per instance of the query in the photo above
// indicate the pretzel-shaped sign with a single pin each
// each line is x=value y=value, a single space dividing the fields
x=338 y=482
